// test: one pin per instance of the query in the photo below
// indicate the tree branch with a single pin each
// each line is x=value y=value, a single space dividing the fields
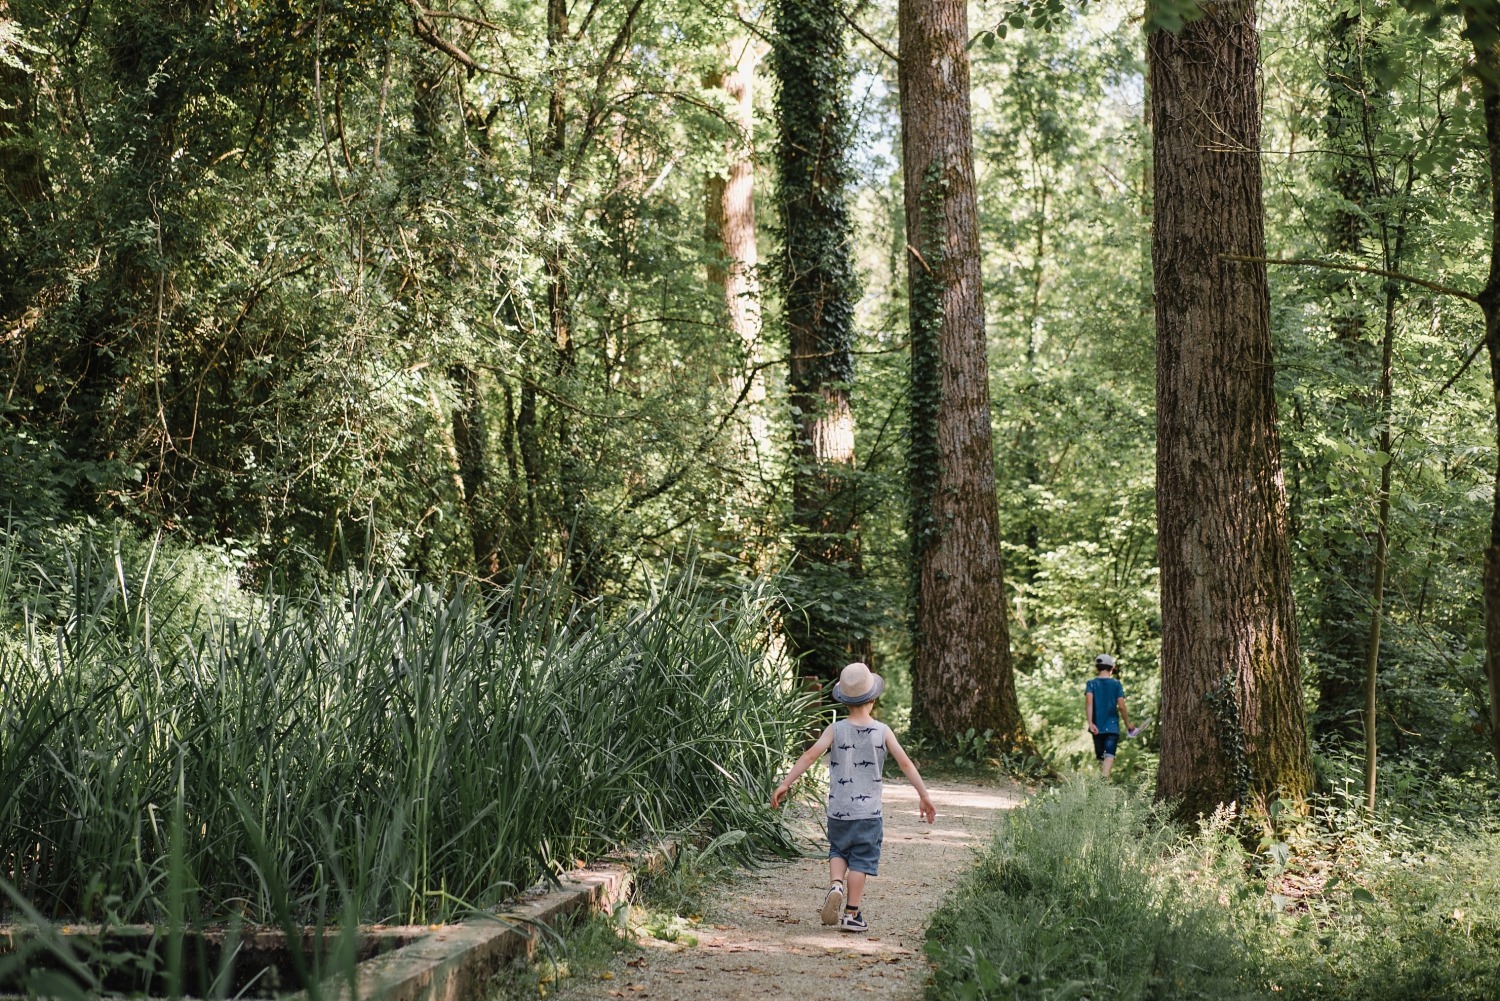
x=920 y=259
x=454 y=15
x=1463 y=368
x=849 y=20
x=427 y=32
x=1457 y=293
x=1334 y=266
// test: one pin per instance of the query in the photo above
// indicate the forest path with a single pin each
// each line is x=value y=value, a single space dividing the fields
x=760 y=936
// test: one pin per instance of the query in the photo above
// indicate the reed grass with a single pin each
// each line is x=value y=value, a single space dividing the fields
x=389 y=752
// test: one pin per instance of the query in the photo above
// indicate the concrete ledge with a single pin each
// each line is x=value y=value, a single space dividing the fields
x=456 y=962
x=418 y=963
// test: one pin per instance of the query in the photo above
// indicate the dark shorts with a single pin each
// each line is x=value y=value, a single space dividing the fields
x=857 y=842
x=1105 y=744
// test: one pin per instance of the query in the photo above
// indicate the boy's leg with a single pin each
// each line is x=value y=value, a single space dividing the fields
x=1107 y=759
x=856 y=884
x=833 y=902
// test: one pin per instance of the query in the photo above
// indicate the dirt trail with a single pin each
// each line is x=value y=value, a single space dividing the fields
x=761 y=938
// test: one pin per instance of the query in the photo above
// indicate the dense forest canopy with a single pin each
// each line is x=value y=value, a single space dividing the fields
x=318 y=284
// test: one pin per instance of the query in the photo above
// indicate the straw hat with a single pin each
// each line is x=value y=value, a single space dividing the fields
x=857 y=685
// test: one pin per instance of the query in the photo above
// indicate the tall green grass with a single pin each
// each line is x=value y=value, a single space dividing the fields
x=1082 y=894
x=1090 y=891
x=391 y=752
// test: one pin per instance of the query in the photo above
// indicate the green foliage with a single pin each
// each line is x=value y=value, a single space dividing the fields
x=382 y=747
x=1403 y=902
x=1082 y=893
x=1088 y=891
x=243 y=256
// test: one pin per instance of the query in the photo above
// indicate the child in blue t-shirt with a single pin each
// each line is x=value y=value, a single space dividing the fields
x=1104 y=708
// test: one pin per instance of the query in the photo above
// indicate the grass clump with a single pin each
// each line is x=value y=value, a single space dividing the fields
x=387 y=752
x=1391 y=906
x=1085 y=893
x=1089 y=891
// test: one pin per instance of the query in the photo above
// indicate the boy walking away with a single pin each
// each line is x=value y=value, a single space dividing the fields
x=1104 y=708
x=856 y=746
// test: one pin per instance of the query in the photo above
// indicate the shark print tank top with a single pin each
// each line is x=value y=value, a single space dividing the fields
x=854 y=764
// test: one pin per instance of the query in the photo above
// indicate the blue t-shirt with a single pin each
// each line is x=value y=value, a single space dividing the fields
x=1107 y=695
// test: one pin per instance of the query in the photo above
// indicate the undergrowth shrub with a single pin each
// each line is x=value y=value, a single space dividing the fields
x=1084 y=893
x=388 y=750
x=1089 y=891
x=1400 y=907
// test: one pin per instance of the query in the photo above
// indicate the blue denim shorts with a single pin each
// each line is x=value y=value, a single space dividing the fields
x=1105 y=745
x=857 y=842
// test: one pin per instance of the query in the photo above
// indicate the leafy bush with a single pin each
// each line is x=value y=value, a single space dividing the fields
x=1089 y=891
x=1084 y=893
x=1393 y=906
x=389 y=748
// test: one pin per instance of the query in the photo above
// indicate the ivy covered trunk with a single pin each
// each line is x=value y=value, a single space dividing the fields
x=961 y=666
x=1483 y=23
x=1231 y=712
x=819 y=291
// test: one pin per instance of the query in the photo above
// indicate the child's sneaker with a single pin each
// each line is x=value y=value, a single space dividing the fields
x=833 y=904
x=853 y=921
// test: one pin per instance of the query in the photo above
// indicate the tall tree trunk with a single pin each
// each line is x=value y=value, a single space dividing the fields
x=1382 y=543
x=584 y=559
x=729 y=232
x=22 y=183
x=466 y=438
x=819 y=292
x=961 y=662
x=1232 y=717
x=1344 y=578
x=471 y=441
x=1483 y=21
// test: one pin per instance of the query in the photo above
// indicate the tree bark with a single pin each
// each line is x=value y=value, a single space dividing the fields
x=22 y=180
x=819 y=292
x=961 y=661
x=1232 y=716
x=1483 y=22
x=729 y=232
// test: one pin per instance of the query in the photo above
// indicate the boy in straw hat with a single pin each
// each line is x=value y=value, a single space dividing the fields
x=856 y=746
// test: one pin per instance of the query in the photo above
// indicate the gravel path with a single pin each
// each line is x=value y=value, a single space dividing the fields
x=760 y=937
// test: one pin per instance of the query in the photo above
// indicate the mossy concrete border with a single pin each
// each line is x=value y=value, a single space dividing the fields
x=447 y=962
x=456 y=962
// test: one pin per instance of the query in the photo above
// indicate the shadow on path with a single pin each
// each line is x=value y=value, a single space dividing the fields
x=761 y=937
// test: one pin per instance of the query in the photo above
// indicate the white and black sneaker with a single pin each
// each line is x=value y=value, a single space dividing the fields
x=853 y=920
x=833 y=904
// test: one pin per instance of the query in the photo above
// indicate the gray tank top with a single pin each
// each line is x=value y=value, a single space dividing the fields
x=854 y=764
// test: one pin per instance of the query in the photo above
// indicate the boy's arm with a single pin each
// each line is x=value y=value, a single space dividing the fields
x=1088 y=711
x=803 y=763
x=1124 y=713
x=909 y=769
